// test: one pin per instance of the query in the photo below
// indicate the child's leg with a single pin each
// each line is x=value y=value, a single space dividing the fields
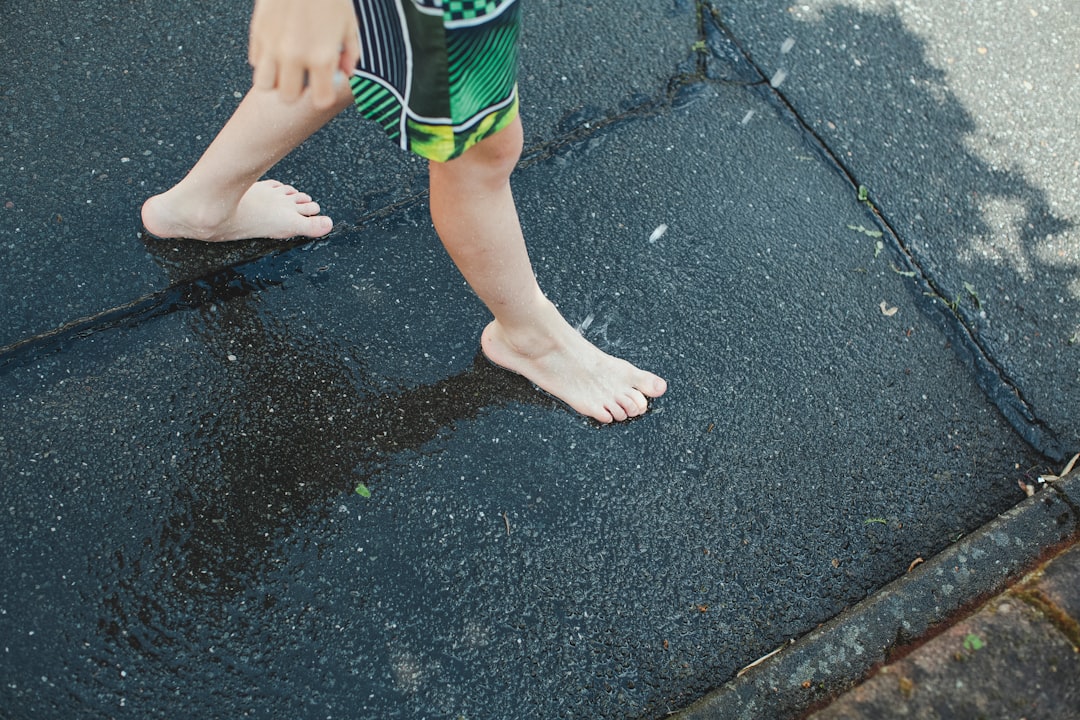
x=474 y=214
x=220 y=199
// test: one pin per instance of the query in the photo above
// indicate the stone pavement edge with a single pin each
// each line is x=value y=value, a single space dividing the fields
x=942 y=636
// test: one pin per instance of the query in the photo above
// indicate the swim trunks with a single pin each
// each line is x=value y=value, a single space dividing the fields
x=438 y=75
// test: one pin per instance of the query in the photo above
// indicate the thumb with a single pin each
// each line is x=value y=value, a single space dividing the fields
x=350 y=53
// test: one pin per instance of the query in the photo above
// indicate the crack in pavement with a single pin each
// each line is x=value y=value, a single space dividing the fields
x=265 y=269
x=992 y=377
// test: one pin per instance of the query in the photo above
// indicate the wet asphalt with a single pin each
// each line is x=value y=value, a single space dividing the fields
x=858 y=379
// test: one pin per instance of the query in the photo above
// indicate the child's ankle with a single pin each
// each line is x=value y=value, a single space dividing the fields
x=200 y=214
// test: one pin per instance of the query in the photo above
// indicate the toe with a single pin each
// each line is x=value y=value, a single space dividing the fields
x=618 y=414
x=310 y=208
x=601 y=415
x=634 y=403
x=316 y=226
x=652 y=386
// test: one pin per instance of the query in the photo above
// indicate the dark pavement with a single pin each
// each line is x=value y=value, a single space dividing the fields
x=858 y=379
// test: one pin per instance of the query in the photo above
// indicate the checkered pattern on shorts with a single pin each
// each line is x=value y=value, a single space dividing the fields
x=457 y=10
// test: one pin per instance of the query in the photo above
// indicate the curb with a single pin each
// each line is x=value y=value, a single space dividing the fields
x=839 y=654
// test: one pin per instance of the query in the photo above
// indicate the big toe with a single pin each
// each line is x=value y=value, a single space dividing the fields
x=316 y=226
x=651 y=385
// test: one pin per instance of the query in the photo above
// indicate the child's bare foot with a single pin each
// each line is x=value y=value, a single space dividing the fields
x=562 y=362
x=268 y=209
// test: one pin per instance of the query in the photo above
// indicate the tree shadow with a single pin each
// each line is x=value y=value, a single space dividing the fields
x=992 y=253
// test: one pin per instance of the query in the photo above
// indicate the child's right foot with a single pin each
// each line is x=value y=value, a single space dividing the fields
x=556 y=358
x=268 y=210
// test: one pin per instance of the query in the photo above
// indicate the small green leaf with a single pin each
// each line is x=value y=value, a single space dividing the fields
x=699 y=46
x=974 y=295
x=362 y=490
x=878 y=247
x=973 y=642
x=881 y=521
x=864 y=193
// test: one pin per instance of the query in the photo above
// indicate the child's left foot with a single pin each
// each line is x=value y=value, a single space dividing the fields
x=562 y=362
x=268 y=210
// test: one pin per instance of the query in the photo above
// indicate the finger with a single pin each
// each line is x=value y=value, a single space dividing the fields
x=350 y=54
x=254 y=47
x=290 y=82
x=264 y=76
x=321 y=85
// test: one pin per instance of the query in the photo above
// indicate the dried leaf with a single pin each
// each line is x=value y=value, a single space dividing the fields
x=888 y=311
x=1028 y=489
x=898 y=271
x=760 y=660
x=864 y=231
x=1072 y=463
x=915 y=563
x=974 y=295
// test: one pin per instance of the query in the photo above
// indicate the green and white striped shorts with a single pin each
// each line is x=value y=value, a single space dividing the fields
x=438 y=75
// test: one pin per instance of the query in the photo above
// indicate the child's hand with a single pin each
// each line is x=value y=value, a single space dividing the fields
x=298 y=43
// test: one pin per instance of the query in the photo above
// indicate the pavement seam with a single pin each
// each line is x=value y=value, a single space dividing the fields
x=240 y=278
x=1065 y=497
x=1030 y=593
x=991 y=376
x=191 y=293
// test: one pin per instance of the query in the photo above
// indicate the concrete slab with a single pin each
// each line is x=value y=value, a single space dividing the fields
x=1004 y=662
x=1060 y=582
x=958 y=119
x=183 y=525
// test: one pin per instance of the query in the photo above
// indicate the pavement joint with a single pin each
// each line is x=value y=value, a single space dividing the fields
x=991 y=375
x=1030 y=593
x=1073 y=505
x=229 y=281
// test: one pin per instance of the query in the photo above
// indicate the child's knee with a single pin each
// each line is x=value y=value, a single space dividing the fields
x=498 y=154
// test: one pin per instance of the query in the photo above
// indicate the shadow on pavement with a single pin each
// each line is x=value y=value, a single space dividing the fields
x=998 y=256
